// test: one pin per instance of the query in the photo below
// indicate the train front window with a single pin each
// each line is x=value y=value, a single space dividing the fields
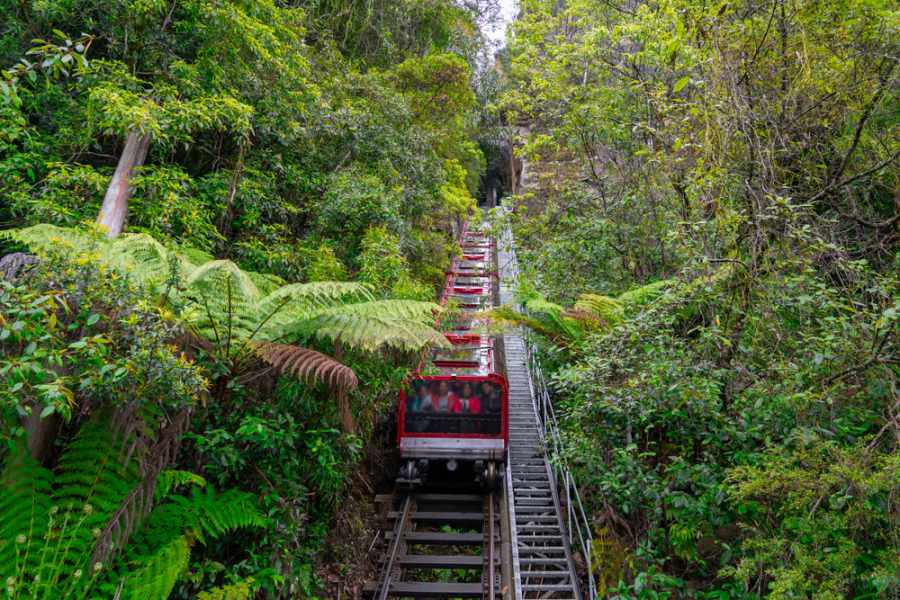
x=448 y=407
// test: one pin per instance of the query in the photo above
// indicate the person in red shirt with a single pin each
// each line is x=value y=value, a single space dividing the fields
x=467 y=402
x=442 y=399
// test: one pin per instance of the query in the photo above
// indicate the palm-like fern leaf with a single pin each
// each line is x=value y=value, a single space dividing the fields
x=636 y=298
x=507 y=315
x=601 y=311
x=307 y=364
x=24 y=505
x=288 y=304
x=225 y=300
x=156 y=574
x=90 y=485
x=44 y=238
x=371 y=332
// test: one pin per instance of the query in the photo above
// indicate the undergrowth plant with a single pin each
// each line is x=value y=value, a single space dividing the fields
x=52 y=537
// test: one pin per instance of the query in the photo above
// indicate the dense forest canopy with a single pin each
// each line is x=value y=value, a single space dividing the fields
x=281 y=183
x=225 y=223
x=726 y=176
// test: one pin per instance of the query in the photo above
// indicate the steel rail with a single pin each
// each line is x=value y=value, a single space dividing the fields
x=491 y=567
x=399 y=528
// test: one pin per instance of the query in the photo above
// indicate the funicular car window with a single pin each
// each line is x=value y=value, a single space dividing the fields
x=448 y=407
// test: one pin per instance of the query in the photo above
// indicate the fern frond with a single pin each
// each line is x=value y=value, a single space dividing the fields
x=372 y=332
x=414 y=310
x=227 y=301
x=218 y=278
x=170 y=479
x=211 y=515
x=144 y=260
x=24 y=506
x=307 y=364
x=603 y=310
x=241 y=590
x=138 y=255
x=44 y=238
x=90 y=485
x=639 y=297
x=287 y=305
x=539 y=305
x=556 y=329
x=155 y=575
x=319 y=293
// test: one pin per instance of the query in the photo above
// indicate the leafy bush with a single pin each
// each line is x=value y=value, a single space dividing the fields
x=760 y=469
x=353 y=202
x=75 y=337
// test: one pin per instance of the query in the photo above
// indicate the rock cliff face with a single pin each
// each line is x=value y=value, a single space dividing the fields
x=503 y=176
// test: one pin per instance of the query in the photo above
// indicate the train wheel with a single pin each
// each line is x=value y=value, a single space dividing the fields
x=409 y=477
x=491 y=477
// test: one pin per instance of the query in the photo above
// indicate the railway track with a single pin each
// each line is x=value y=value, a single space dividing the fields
x=515 y=542
x=440 y=545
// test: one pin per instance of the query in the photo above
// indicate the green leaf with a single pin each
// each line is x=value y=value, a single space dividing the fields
x=680 y=84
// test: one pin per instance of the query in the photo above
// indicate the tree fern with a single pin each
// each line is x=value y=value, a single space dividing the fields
x=307 y=364
x=236 y=309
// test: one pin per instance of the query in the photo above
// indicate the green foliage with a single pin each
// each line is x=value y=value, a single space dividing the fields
x=353 y=202
x=720 y=170
x=383 y=266
x=282 y=133
x=50 y=546
x=75 y=337
x=242 y=590
x=326 y=266
x=820 y=519
x=157 y=574
x=233 y=308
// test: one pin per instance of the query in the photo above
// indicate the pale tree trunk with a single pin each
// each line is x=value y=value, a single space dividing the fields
x=115 y=203
x=41 y=432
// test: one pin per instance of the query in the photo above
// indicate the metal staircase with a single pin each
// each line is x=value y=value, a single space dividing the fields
x=541 y=527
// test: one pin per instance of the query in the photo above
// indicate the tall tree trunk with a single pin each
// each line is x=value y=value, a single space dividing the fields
x=40 y=433
x=115 y=203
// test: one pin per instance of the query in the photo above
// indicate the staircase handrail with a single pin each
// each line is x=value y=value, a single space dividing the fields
x=578 y=528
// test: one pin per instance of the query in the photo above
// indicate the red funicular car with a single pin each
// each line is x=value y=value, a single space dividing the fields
x=453 y=414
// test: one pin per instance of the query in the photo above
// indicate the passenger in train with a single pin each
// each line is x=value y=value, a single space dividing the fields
x=491 y=405
x=418 y=403
x=421 y=402
x=467 y=403
x=442 y=399
x=490 y=398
